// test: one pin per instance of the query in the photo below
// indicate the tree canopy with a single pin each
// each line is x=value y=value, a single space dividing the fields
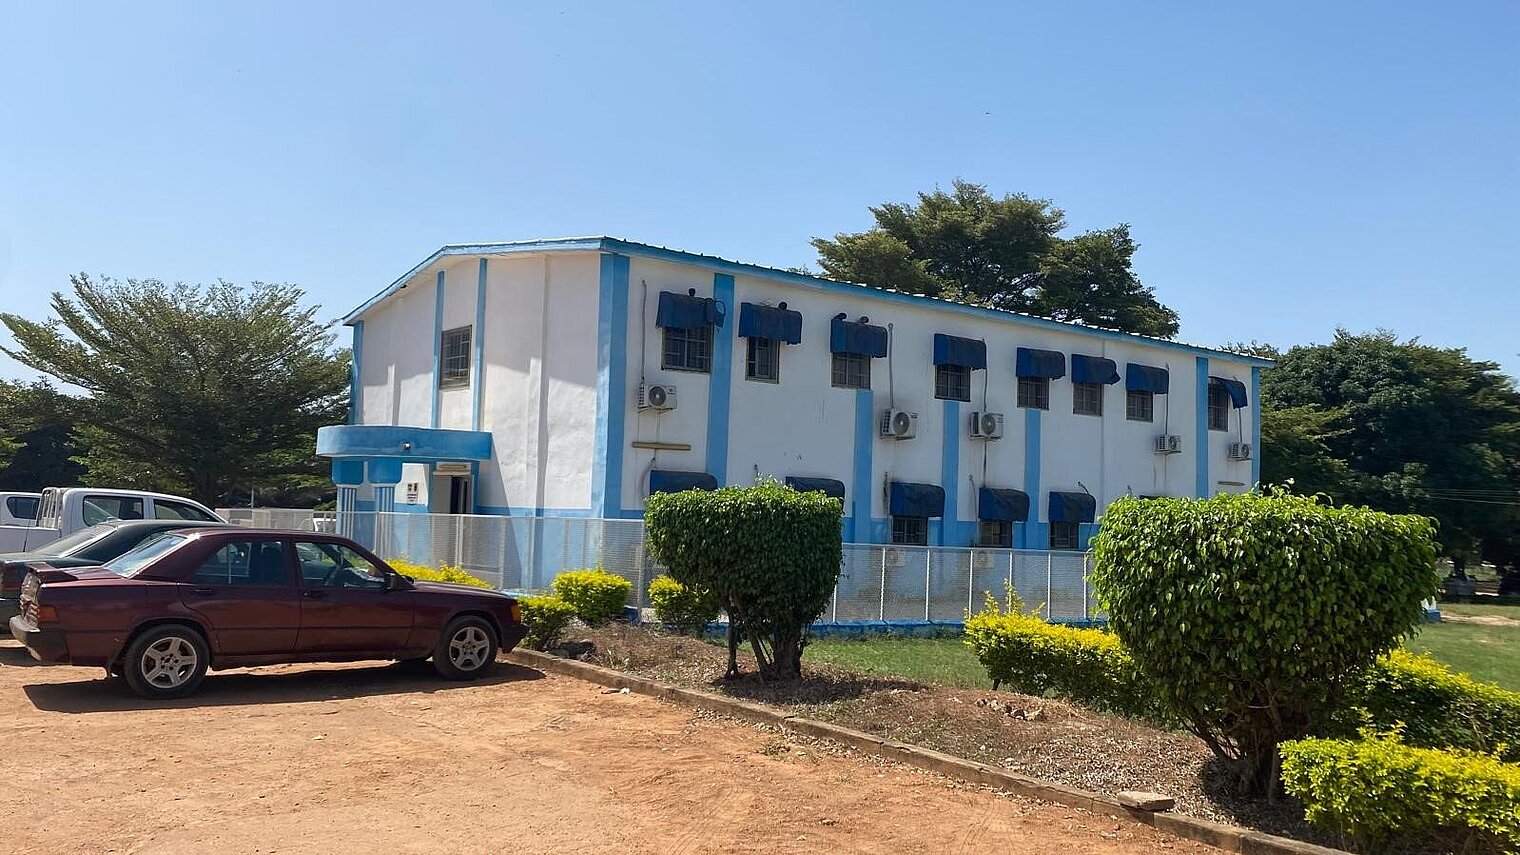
x=969 y=246
x=37 y=440
x=190 y=388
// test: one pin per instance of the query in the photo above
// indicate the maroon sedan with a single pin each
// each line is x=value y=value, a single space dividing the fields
x=194 y=599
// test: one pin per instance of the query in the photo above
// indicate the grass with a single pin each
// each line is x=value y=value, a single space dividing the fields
x=1479 y=609
x=1488 y=653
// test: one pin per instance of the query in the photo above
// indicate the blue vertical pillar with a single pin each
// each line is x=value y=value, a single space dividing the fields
x=1034 y=536
x=858 y=527
x=611 y=387
x=437 y=349
x=1256 y=427
x=1201 y=444
x=721 y=381
x=950 y=475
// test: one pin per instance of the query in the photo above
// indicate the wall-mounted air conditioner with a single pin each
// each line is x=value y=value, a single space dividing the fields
x=1240 y=451
x=898 y=424
x=1168 y=444
x=656 y=396
x=986 y=425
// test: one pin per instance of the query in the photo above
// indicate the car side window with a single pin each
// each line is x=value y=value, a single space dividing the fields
x=332 y=565
x=245 y=563
x=98 y=509
x=164 y=509
x=22 y=507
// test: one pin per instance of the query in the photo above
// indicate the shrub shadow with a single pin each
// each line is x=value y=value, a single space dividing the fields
x=812 y=690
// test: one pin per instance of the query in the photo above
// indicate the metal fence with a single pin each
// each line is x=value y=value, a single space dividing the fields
x=298 y=519
x=877 y=583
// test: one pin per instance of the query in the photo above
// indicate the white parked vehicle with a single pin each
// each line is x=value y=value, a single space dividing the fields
x=65 y=510
x=19 y=508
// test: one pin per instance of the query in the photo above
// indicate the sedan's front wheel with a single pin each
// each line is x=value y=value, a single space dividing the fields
x=166 y=662
x=466 y=649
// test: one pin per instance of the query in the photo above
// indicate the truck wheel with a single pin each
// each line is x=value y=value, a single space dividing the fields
x=466 y=649
x=166 y=662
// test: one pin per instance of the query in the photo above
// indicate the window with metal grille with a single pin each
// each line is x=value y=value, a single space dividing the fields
x=852 y=371
x=1034 y=392
x=687 y=350
x=1087 y=399
x=1063 y=535
x=1219 y=407
x=995 y=533
x=762 y=360
x=1140 y=406
x=910 y=531
x=952 y=382
x=454 y=352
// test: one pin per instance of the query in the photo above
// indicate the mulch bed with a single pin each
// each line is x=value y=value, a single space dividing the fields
x=1040 y=737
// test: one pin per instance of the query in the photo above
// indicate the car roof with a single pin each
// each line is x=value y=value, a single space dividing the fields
x=167 y=525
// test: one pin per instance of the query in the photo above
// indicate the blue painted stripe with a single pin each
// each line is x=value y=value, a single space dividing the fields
x=355 y=382
x=1256 y=427
x=861 y=477
x=437 y=349
x=950 y=474
x=1201 y=446
x=1032 y=451
x=611 y=387
x=720 y=385
x=477 y=376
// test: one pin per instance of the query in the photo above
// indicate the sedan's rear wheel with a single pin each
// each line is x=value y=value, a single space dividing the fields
x=166 y=662
x=466 y=649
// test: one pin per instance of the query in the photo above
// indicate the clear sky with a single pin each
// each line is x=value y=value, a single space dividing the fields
x=1287 y=167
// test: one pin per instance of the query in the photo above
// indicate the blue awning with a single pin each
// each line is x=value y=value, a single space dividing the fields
x=1146 y=378
x=1006 y=505
x=965 y=352
x=828 y=486
x=1072 y=507
x=1236 y=389
x=857 y=339
x=1093 y=369
x=773 y=322
x=915 y=500
x=1030 y=362
x=686 y=312
x=671 y=481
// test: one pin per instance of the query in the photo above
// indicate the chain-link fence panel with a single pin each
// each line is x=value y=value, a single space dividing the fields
x=857 y=597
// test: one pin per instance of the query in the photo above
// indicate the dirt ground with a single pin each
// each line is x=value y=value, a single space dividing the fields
x=386 y=758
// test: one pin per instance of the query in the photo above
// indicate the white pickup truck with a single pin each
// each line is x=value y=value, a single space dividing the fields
x=19 y=508
x=65 y=510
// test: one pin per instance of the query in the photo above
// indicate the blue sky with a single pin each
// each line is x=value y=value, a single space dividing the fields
x=1287 y=167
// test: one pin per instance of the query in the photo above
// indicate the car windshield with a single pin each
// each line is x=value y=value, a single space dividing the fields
x=70 y=544
x=146 y=553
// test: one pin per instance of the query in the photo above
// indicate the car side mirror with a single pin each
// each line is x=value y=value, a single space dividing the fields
x=397 y=582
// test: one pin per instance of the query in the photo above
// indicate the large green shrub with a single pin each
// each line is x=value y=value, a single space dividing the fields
x=1377 y=790
x=596 y=595
x=1088 y=666
x=682 y=608
x=1433 y=707
x=1251 y=614
x=446 y=573
x=770 y=555
x=546 y=618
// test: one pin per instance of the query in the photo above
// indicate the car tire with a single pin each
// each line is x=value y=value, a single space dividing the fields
x=466 y=650
x=166 y=662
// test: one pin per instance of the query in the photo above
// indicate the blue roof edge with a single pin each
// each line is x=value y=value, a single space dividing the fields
x=603 y=243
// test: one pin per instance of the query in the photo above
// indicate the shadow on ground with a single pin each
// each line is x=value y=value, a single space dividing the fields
x=292 y=687
x=816 y=687
x=14 y=655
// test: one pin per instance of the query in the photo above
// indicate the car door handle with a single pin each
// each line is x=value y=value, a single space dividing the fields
x=314 y=594
x=204 y=592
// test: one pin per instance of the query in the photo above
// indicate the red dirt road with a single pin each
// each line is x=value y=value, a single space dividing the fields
x=376 y=758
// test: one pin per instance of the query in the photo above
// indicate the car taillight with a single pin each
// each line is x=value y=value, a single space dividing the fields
x=516 y=611
x=45 y=614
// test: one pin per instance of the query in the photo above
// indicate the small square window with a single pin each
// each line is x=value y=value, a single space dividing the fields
x=688 y=350
x=997 y=534
x=1140 y=406
x=1034 y=392
x=1064 y=535
x=1087 y=399
x=762 y=360
x=910 y=531
x=952 y=382
x=1219 y=407
x=454 y=352
x=851 y=371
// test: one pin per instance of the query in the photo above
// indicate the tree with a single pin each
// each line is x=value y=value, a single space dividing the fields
x=970 y=246
x=38 y=441
x=190 y=388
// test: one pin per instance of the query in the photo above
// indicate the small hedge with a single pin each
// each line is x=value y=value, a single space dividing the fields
x=1088 y=666
x=446 y=573
x=1377 y=790
x=546 y=618
x=596 y=595
x=1433 y=707
x=687 y=610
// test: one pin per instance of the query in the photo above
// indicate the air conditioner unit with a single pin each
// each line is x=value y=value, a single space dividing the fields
x=1168 y=444
x=898 y=424
x=986 y=425
x=655 y=396
x=1240 y=451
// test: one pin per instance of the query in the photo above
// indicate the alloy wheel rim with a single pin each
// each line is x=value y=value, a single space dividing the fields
x=169 y=662
x=467 y=649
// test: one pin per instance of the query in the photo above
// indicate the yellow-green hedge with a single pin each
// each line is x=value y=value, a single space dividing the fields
x=1434 y=707
x=1377 y=790
x=681 y=608
x=596 y=595
x=546 y=618
x=446 y=573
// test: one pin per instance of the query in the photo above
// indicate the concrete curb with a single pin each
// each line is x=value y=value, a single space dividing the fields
x=1229 y=838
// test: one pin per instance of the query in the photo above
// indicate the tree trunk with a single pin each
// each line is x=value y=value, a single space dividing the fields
x=786 y=656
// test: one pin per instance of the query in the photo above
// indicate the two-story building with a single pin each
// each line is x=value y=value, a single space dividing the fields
x=574 y=377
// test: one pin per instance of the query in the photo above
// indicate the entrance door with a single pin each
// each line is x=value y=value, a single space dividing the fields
x=346 y=606
x=449 y=492
x=459 y=494
x=247 y=595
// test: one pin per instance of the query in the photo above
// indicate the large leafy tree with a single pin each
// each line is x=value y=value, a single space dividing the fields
x=37 y=441
x=970 y=246
x=191 y=388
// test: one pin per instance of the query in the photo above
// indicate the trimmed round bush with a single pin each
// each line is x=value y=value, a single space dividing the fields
x=546 y=618
x=687 y=610
x=596 y=595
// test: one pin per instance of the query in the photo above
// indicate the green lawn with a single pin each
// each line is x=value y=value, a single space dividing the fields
x=1488 y=653
x=1511 y=612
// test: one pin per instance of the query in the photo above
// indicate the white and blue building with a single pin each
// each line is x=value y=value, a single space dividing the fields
x=573 y=377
